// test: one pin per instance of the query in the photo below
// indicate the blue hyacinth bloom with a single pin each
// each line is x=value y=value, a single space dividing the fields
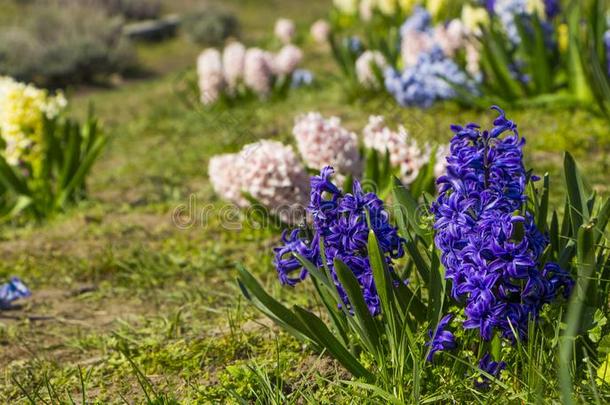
x=12 y=291
x=493 y=368
x=301 y=77
x=490 y=245
x=431 y=79
x=552 y=8
x=420 y=21
x=441 y=339
x=341 y=223
x=354 y=45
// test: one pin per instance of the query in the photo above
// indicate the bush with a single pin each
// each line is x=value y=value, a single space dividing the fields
x=210 y=27
x=136 y=9
x=129 y=9
x=55 y=47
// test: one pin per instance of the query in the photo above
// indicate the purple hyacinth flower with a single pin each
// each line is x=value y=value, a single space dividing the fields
x=341 y=221
x=441 y=339
x=490 y=245
x=552 y=8
x=12 y=291
x=493 y=368
x=489 y=5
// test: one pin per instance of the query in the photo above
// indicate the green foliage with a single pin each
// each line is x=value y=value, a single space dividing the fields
x=210 y=26
x=57 y=179
x=129 y=9
x=385 y=353
x=56 y=47
x=593 y=55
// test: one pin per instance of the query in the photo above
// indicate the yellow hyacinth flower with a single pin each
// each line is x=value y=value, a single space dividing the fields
x=346 y=6
x=435 y=7
x=407 y=5
x=474 y=17
x=23 y=108
x=536 y=7
x=387 y=7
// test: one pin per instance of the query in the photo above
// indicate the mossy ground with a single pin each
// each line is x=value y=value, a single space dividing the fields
x=123 y=291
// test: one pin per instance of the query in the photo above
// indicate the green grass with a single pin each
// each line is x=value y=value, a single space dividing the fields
x=127 y=304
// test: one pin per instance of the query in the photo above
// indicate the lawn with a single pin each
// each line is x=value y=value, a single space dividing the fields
x=134 y=291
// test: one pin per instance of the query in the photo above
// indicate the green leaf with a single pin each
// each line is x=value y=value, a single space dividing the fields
x=325 y=339
x=406 y=209
x=423 y=268
x=437 y=291
x=498 y=59
x=358 y=305
x=371 y=169
x=380 y=275
x=281 y=315
x=72 y=156
x=543 y=208
x=13 y=180
x=579 y=211
x=602 y=221
x=85 y=166
x=554 y=232
x=331 y=305
x=586 y=264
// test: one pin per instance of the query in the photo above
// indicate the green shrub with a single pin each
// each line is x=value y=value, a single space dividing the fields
x=54 y=47
x=129 y=9
x=210 y=26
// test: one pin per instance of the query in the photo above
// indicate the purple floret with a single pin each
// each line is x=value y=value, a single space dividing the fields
x=340 y=220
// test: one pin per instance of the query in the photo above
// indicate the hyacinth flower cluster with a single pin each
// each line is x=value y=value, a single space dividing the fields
x=366 y=66
x=427 y=52
x=285 y=30
x=418 y=36
x=238 y=70
x=340 y=223
x=23 y=109
x=320 y=31
x=433 y=78
x=12 y=291
x=267 y=171
x=490 y=245
x=325 y=142
x=275 y=175
x=404 y=152
x=508 y=11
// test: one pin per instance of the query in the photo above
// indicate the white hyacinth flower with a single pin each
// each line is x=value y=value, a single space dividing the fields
x=258 y=71
x=233 y=60
x=273 y=175
x=320 y=31
x=211 y=77
x=287 y=60
x=364 y=68
x=285 y=30
x=225 y=173
x=403 y=152
x=324 y=142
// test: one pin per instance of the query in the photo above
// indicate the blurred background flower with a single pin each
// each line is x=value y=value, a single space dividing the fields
x=324 y=142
